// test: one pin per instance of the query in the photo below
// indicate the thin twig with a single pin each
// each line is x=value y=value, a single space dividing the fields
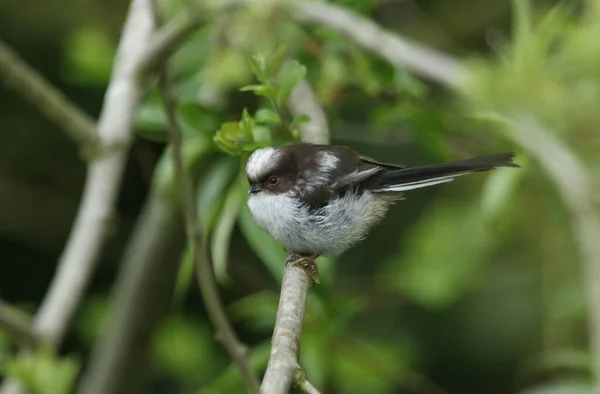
x=208 y=286
x=19 y=325
x=302 y=384
x=21 y=77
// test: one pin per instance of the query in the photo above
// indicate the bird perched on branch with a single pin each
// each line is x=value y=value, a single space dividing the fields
x=322 y=199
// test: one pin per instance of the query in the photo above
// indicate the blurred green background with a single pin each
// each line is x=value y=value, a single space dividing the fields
x=472 y=287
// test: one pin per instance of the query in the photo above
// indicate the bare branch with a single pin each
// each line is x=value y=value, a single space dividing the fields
x=208 y=286
x=18 y=324
x=51 y=102
x=140 y=301
x=283 y=362
x=302 y=384
x=397 y=50
x=167 y=39
x=103 y=180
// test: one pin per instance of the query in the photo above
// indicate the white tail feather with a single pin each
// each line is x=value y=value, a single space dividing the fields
x=419 y=184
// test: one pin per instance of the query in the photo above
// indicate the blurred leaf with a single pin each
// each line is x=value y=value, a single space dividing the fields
x=258 y=310
x=44 y=372
x=185 y=276
x=289 y=76
x=258 y=66
x=259 y=90
x=274 y=61
x=221 y=236
x=498 y=192
x=267 y=117
x=193 y=151
x=298 y=120
x=89 y=55
x=151 y=120
x=563 y=386
x=229 y=381
x=437 y=276
x=261 y=243
x=187 y=350
x=211 y=188
x=91 y=323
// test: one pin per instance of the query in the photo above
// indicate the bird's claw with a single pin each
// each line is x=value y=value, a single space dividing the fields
x=309 y=266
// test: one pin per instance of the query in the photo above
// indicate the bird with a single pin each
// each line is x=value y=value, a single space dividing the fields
x=316 y=199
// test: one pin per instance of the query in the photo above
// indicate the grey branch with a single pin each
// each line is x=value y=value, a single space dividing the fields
x=397 y=50
x=140 y=301
x=96 y=212
x=50 y=101
x=285 y=344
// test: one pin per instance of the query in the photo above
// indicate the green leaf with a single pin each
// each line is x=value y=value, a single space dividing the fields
x=289 y=76
x=258 y=310
x=185 y=349
x=498 y=191
x=211 y=187
x=259 y=90
x=275 y=61
x=437 y=276
x=185 y=276
x=265 y=247
x=44 y=372
x=562 y=386
x=268 y=117
x=221 y=236
x=258 y=67
x=298 y=120
x=229 y=381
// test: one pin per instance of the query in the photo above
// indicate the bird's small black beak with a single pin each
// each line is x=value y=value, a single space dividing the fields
x=253 y=188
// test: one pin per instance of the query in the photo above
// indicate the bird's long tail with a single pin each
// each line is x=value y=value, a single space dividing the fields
x=433 y=174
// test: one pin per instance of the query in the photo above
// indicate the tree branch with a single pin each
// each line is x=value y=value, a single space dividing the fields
x=141 y=299
x=103 y=180
x=18 y=75
x=285 y=344
x=208 y=286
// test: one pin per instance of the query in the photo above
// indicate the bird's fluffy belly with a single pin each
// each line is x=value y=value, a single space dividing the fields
x=331 y=229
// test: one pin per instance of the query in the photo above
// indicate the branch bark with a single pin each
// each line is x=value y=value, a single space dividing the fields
x=140 y=301
x=285 y=344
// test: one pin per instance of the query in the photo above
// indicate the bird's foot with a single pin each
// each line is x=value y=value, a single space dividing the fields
x=307 y=263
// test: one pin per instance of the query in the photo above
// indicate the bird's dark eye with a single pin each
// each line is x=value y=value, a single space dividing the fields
x=272 y=181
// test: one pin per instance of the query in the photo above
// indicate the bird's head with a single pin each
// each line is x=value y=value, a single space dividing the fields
x=271 y=171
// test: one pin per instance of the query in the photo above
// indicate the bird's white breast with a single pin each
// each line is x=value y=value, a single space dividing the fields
x=331 y=229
